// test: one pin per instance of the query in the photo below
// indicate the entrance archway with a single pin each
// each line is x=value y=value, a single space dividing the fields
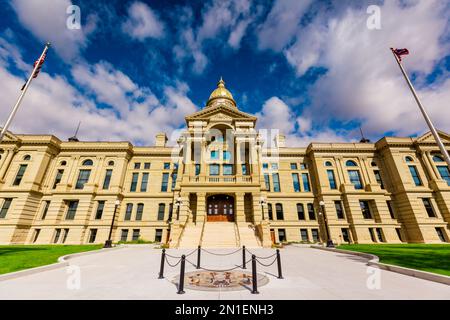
x=220 y=207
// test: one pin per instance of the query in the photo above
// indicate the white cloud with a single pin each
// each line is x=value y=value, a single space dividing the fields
x=46 y=19
x=143 y=22
x=53 y=106
x=281 y=23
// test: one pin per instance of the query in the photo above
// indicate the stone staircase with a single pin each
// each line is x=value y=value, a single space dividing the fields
x=220 y=235
x=247 y=236
x=191 y=235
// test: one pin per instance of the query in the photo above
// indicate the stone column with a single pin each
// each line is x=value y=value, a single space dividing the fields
x=238 y=160
x=8 y=157
x=434 y=174
x=239 y=213
x=201 y=207
x=257 y=210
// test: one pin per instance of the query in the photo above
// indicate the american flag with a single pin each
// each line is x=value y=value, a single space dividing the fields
x=400 y=52
x=39 y=63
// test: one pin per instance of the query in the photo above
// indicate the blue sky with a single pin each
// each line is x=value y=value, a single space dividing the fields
x=313 y=69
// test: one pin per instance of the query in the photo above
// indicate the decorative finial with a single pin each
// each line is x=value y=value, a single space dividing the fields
x=221 y=83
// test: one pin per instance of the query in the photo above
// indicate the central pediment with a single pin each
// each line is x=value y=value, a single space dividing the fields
x=221 y=112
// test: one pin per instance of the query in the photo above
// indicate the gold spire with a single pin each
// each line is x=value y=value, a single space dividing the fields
x=221 y=93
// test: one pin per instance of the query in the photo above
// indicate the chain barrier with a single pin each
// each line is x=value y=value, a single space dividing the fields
x=215 y=270
x=173 y=265
x=267 y=265
x=268 y=257
x=221 y=254
x=187 y=255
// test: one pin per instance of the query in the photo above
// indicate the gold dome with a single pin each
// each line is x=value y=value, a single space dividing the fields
x=221 y=93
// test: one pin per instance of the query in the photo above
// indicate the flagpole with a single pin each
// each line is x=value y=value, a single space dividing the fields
x=424 y=113
x=14 y=110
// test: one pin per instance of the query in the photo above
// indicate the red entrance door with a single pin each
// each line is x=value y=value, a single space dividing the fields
x=220 y=208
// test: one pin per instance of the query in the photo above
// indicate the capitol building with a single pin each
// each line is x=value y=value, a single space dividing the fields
x=223 y=184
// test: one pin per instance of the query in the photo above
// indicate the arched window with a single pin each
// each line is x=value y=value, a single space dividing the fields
x=351 y=163
x=328 y=164
x=110 y=163
x=88 y=162
x=161 y=211
x=437 y=158
x=63 y=163
x=139 y=211
x=279 y=211
x=409 y=159
x=27 y=157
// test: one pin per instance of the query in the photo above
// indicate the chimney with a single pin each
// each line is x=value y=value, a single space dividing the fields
x=161 y=139
x=280 y=140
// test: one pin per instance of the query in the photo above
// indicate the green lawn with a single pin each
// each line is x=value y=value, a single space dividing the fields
x=427 y=257
x=19 y=257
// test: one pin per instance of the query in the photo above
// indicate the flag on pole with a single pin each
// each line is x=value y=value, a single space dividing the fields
x=400 y=52
x=39 y=63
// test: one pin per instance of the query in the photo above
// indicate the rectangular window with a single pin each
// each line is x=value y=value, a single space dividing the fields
x=214 y=155
x=128 y=211
x=137 y=165
x=213 y=169
x=303 y=166
x=83 y=178
x=429 y=207
x=197 y=169
x=136 y=234
x=139 y=211
x=134 y=181
x=165 y=181
x=345 y=235
x=36 y=234
x=339 y=209
x=107 y=180
x=161 y=211
x=293 y=166
x=331 y=179
x=445 y=173
x=71 y=209
x=44 y=213
x=281 y=235
x=57 y=234
x=124 y=235
x=306 y=186
x=20 y=174
x=311 y=211
x=399 y=234
x=355 y=179
x=226 y=155
x=304 y=235
x=415 y=175
x=166 y=165
x=158 y=235
x=144 y=182
x=315 y=235
x=295 y=182
x=300 y=211
x=244 y=169
x=380 y=235
x=276 y=182
x=147 y=165
x=440 y=233
x=391 y=210
x=5 y=207
x=274 y=166
x=265 y=166
x=227 y=169
x=174 y=181
x=279 y=211
x=100 y=207
x=65 y=234
x=270 y=211
x=267 y=181
x=378 y=178
x=372 y=235
x=92 y=235
x=58 y=178
x=365 y=208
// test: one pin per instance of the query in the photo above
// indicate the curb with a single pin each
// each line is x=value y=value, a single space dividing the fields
x=374 y=261
x=62 y=262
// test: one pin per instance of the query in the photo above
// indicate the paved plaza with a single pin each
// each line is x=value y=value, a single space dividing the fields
x=131 y=272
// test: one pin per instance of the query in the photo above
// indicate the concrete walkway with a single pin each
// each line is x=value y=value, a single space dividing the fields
x=131 y=273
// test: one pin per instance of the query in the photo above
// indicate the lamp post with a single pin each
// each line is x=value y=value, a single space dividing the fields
x=263 y=203
x=108 y=243
x=178 y=203
x=330 y=243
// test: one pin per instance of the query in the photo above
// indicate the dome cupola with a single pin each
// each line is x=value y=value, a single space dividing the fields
x=221 y=94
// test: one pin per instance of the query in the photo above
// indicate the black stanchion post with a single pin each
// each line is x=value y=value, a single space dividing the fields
x=254 y=275
x=199 y=250
x=280 y=274
x=181 y=282
x=243 y=258
x=163 y=260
